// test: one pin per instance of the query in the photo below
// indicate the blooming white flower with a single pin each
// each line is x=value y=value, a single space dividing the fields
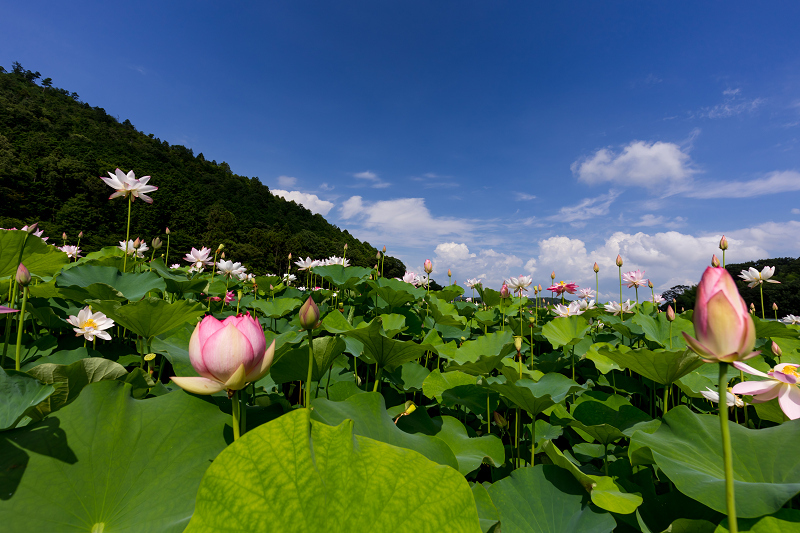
x=289 y=278
x=73 y=252
x=634 y=278
x=245 y=277
x=174 y=266
x=91 y=325
x=713 y=396
x=586 y=293
x=199 y=259
x=472 y=282
x=753 y=277
x=36 y=233
x=616 y=309
x=585 y=305
x=519 y=284
x=573 y=309
x=127 y=184
x=230 y=269
x=658 y=299
x=409 y=277
x=791 y=319
x=304 y=264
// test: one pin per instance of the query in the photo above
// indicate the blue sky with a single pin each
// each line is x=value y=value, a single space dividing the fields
x=496 y=138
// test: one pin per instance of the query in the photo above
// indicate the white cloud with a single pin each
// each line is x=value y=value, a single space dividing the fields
x=796 y=211
x=372 y=178
x=733 y=105
x=487 y=264
x=651 y=165
x=312 y=202
x=525 y=196
x=774 y=182
x=287 y=182
x=326 y=187
x=586 y=208
x=731 y=92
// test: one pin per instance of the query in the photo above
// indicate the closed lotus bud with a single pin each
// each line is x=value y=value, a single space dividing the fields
x=553 y=275
x=157 y=243
x=774 y=306
x=596 y=268
x=449 y=273
x=650 y=283
x=428 y=266
x=540 y=287
x=384 y=249
x=309 y=314
x=23 y=276
x=378 y=255
x=504 y=291
x=723 y=243
x=499 y=420
x=619 y=260
x=375 y=267
x=345 y=247
x=222 y=255
x=714 y=261
x=776 y=349
x=33 y=227
x=670 y=313
x=518 y=343
x=80 y=235
x=290 y=257
x=64 y=235
x=137 y=243
x=167 y=231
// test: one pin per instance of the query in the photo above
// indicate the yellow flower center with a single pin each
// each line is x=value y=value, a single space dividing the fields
x=791 y=370
x=90 y=324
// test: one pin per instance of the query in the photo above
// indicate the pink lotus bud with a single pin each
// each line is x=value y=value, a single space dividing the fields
x=64 y=235
x=378 y=255
x=619 y=260
x=449 y=273
x=723 y=243
x=345 y=247
x=776 y=349
x=553 y=275
x=670 y=313
x=725 y=331
x=596 y=268
x=540 y=287
x=222 y=255
x=384 y=249
x=167 y=232
x=290 y=257
x=227 y=354
x=229 y=297
x=428 y=266
x=137 y=243
x=23 y=276
x=32 y=227
x=80 y=235
x=714 y=261
x=650 y=283
x=774 y=306
x=504 y=291
x=309 y=314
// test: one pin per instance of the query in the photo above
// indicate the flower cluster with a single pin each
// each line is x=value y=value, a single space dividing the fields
x=305 y=264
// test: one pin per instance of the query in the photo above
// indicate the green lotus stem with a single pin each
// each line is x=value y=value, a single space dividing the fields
x=13 y=298
x=597 y=286
x=488 y=416
x=761 y=289
x=637 y=296
x=235 y=412
x=243 y=410
x=310 y=367
x=377 y=379
x=666 y=398
x=723 y=258
x=727 y=454
x=127 y=234
x=670 y=334
x=516 y=436
x=620 y=285
x=166 y=257
x=19 y=325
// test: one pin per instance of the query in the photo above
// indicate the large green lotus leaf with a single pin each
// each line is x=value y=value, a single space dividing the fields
x=39 y=258
x=703 y=377
x=658 y=365
x=609 y=417
x=437 y=382
x=177 y=283
x=49 y=316
x=19 y=392
x=69 y=380
x=175 y=347
x=151 y=316
x=657 y=329
x=110 y=463
x=491 y=344
x=771 y=328
x=293 y=365
x=790 y=349
x=688 y=448
x=297 y=474
x=490 y=297
x=546 y=499
x=473 y=397
x=278 y=307
x=784 y=521
x=41 y=347
x=394 y=292
x=470 y=452
x=335 y=322
x=565 y=331
x=387 y=353
x=487 y=317
x=483 y=366
x=445 y=314
x=64 y=357
x=132 y=286
x=771 y=411
x=448 y=293
x=601 y=362
x=487 y=512
x=604 y=492
x=409 y=376
x=343 y=277
x=393 y=324
x=537 y=396
x=368 y=413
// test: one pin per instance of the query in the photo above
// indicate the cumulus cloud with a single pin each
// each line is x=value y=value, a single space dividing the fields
x=643 y=164
x=486 y=264
x=287 y=182
x=772 y=183
x=586 y=208
x=371 y=179
x=312 y=202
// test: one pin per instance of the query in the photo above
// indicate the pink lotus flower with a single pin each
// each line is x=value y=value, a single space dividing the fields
x=781 y=383
x=504 y=291
x=724 y=328
x=227 y=354
x=127 y=184
x=229 y=297
x=4 y=310
x=587 y=294
x=634 y=278
x=561 y=287
x=199 y=258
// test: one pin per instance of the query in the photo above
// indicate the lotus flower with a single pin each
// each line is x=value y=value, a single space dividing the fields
x=753 y=277
x=91 y=325
x=4 y=310
x=781 y=383
x=730 y=398
x=634 y=278
x=791 y=319
x=227 y=354
x=573 y=309
x=519 y=284
x=616 y=309
x=199 y=258
x=472 y=282
x=127 y=184
x=230 y=269
x=304 y=264
x=561 y=287
x=586 y=294
x=72 y=252
x=724 y=328
x=409 y=277
x=504 y=291
x=309 y=314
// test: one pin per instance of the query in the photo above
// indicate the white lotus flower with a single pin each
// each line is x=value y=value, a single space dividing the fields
x=586 y=293
x=304 y=264
x=519 y=284
x=634 y=278
x=127 y=184
x=230 y=269
x=199 y=259
x=713 y=396
x=73 y=252
x=791 y=319
x=573 y=309
x=753 y=277
x=472 y=282
x=91 y=325
x=658 y=299
x=616 y=309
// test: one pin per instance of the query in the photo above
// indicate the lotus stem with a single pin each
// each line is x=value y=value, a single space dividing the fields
x=19 y=325
x=761 y=290
x=243 y=410
x=377 y=379
x=127 y=235
x=13 y=299
x=235 y=412
x=620 y=285
x=727 y=454
x=666 y=398
x=310 y=367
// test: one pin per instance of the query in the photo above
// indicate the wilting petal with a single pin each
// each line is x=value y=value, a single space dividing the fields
x=198 y=385
x=789 y=399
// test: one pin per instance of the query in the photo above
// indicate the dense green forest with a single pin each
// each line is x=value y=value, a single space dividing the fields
x=53 y=148
x=786 y=294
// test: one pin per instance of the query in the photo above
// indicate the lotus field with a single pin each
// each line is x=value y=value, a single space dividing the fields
x=142 y=394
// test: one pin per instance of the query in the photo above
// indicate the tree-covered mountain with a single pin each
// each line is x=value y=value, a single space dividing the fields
x=53 y=148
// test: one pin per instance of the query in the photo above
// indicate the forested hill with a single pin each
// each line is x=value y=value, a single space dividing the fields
x=53 y=148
